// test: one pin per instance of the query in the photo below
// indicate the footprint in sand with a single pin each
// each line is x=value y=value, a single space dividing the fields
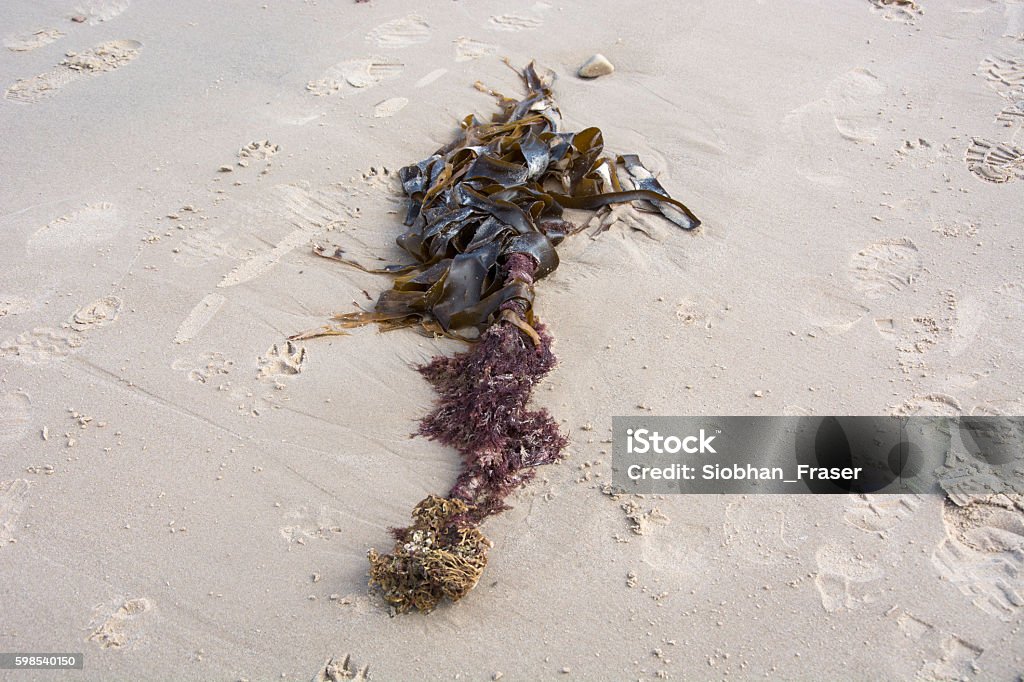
x=855 y=105
x=951 y=657
x=92 y=224
x=514 y=22
x=41 y=345
x=885 y=267
x=756 y=535
x=209 y=368
x=914 y=339
x=829 y=308
x=76 y=65
x=98 y=11
x=356 y=74
x=390 y=107
x=24 y=42
x=430 y=78
x=1004 y=74
x=339 y=669
x=913 y=627
x=677 y=553
x=854 y=99
x=199 y=317
x=844 y=578
x=34 y=89
x=1013 y=292
x=306 y=524
x=699 y=312
x=99 y=313
x=995 y=161
x=998 y=408
x=410 y=30
x=380 y=184
x=920 y=153
x=202 y=247
x=13 y=498
x=260 y=150
x=880 y=513
x=378 y=195
x=292 y=216
x=954 y=227
x=968 y=319
x=948 y=325
x=958 y=661
x=983 y=553
x=14 y=305
x=1013 y=113
x=896 y=10
x=849 y=109
x=311 y=211
x=643 y=521
x=15 y=416
x=468 y=49
x=930 y=405
x=121 y=627
x=285 y=360
x=216 y=370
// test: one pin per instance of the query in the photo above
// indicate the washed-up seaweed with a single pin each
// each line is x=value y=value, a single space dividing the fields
x=485 y=217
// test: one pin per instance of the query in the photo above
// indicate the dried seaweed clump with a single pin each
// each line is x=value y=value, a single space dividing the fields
x=438 y=556
x=485 y=216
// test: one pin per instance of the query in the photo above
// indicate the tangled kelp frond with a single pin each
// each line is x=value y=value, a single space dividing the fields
x=440 y=555
x=484 y=219
x=498 y=190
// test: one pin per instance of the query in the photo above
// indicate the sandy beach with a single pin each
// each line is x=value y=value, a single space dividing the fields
x=187 y=495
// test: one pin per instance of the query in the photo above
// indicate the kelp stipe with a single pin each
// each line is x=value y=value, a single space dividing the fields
x=484 y=218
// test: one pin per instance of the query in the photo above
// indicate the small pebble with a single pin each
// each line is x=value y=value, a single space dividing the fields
x=598 y=65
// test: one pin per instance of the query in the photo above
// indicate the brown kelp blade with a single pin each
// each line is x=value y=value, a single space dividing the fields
x=643 y=180
x=498 y=190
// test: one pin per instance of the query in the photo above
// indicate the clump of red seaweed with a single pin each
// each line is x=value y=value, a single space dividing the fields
x=485 y=216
